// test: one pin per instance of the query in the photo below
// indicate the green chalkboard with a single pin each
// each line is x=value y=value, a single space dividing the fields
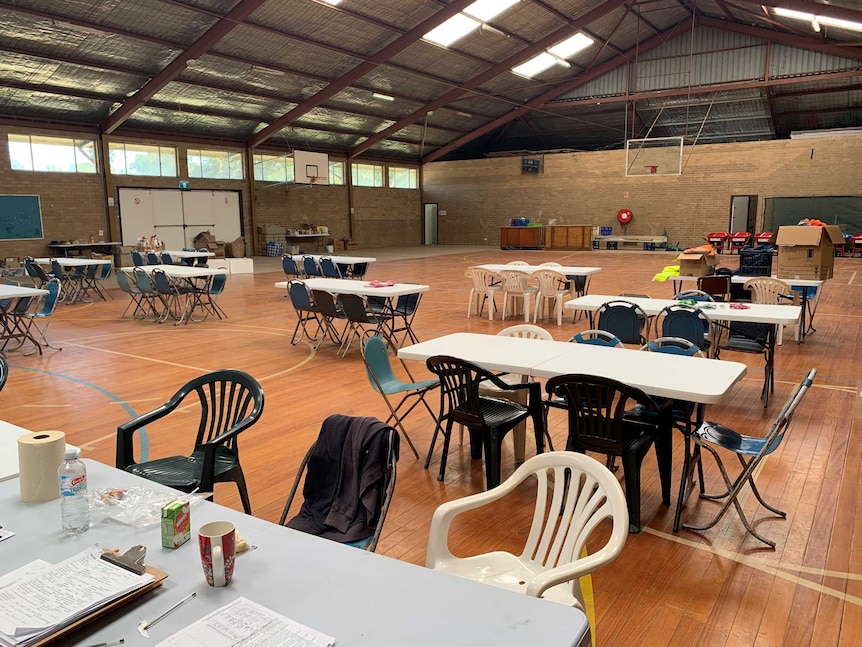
x=20 y=217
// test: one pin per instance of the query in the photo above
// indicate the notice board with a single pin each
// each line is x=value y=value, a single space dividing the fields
x=20 y=217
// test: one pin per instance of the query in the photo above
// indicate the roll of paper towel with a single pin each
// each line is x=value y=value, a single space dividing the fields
x=39 y=456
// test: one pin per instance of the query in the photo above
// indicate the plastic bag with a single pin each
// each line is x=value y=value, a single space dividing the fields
x=135 y=506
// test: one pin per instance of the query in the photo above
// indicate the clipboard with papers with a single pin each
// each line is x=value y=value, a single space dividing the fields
x=41 y=606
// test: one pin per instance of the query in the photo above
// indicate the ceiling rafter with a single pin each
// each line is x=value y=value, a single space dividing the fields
x=791 y=40
x=501 y=68
x=541 y=100
x=213 y=35
x=383 y=55
x=245 y=61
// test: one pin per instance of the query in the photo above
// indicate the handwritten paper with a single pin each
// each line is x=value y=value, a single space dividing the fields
x=244 y=623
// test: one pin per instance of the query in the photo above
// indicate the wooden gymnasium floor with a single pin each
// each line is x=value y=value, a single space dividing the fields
x=721 y=587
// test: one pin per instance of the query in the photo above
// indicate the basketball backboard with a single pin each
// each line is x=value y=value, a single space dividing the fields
x=310 y=168
x=654 y=156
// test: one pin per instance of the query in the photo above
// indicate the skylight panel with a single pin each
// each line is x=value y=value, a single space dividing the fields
x=453 y=29
x=485 y=10
x=571 y=46
x=535 y=65
x=554 y=55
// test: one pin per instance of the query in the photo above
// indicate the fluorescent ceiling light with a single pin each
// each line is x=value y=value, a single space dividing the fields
x=332 y=2
x=382 y=97
x=817 y=19
x=453 y=29
x=555 y=55
x=466 y=115
x=485 y=10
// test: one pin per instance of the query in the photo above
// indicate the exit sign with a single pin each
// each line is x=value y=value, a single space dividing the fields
x=184 y=185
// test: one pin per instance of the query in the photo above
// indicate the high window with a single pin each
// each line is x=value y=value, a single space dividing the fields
x=273 y=167
x=336 y=173
x=53 y=154
x=138 y=159
x=367 y=175
x=217 y=165
x=401 y=177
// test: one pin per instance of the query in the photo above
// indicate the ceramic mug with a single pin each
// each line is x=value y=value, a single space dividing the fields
x=217 y=541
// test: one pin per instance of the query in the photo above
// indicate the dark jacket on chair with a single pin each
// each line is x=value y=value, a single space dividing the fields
x=346 y=479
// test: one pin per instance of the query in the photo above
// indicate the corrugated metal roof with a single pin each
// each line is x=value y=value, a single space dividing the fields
x=76 y=61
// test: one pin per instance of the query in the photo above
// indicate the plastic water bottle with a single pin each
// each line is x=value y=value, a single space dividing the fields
x=74 y=503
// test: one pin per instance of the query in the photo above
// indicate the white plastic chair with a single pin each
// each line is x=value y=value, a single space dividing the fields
x=515 y=286
x=519 y=433
x=485 y=285
x=583 y=494
x=552 y=285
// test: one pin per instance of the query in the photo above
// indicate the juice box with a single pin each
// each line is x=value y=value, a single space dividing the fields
x=176 y=524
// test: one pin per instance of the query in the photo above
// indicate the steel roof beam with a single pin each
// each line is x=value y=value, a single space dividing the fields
x=383 y=55
x=578 y=81
x=213 y=35
x=804 y=6
x=500 y=68
x=813 y=43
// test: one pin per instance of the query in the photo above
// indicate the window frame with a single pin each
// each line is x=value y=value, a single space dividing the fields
x=160 y=151
x=360 y=167
x=76 y=158
x=232 y=159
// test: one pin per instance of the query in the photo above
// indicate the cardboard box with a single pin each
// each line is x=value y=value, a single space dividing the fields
x=350 y=244
x=176 y=524
x=699 y=264
x=807 y=251
x=816 y=272
x=271 y=229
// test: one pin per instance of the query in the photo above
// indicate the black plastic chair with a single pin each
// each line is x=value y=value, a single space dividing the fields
x=4 y=370
x=750 y=450
x=686 y=417
x=230 y=402
x=753 y=338
x=331 y=459
x=623 y=319
x=359 y=270
x=598 y=422
x=487 y=419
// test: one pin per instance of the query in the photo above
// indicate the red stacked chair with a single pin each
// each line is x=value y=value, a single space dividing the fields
x=738 y=240
x=717 y=239
x=763 y=238
x=857 y=245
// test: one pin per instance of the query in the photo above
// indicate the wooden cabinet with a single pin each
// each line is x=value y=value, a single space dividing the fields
x=568 y=237
x=522 y=237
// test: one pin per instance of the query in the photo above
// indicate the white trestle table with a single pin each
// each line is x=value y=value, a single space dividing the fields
x=774 y=315
x=698 y=380
x=361 y=599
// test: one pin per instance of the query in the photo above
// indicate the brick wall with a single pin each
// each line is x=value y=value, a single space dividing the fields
x=74 y=205
x=479 y=196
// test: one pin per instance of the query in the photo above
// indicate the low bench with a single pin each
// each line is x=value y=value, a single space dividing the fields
x=647 y=243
